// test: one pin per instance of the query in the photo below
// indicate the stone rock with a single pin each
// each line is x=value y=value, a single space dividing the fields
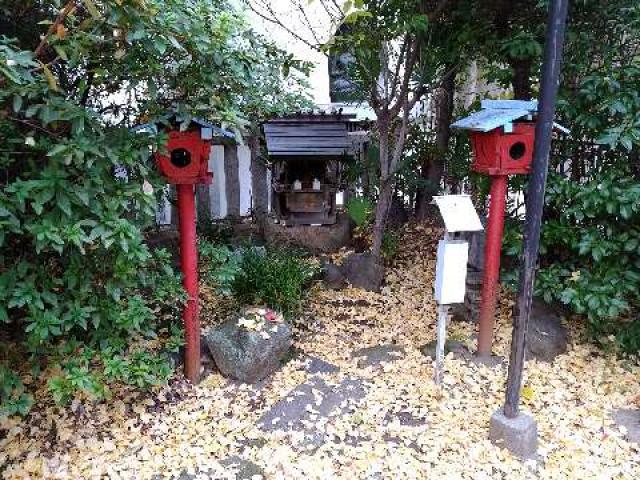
x=629 y=418
x=546 y=336
x=362 y=270
x=378 y=354
x=429 y=349
x=247 y=355
x=333 y=276
x=243 y=469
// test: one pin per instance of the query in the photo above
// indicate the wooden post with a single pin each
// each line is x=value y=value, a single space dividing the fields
x=535 y=199
x=259 y=187
x=189 y=267
x=232 y=180
x=491 y=276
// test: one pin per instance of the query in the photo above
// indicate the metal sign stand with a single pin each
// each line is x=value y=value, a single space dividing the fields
x=443 y=317
x=451 y=268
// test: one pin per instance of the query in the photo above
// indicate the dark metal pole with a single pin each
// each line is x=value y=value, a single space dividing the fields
x=535 y=201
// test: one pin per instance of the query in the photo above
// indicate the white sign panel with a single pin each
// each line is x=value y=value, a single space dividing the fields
x=451 y=271
x=458 y=213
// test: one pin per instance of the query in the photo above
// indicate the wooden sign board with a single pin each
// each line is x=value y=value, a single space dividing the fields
x=458 y=213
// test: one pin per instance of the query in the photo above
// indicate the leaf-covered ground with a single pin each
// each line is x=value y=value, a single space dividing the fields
x=404 y=427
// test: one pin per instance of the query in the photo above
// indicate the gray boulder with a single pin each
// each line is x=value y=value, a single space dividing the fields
x=362 y=270
x=333 y=276
x=630 y=419
x=248 y=355
x=546 y=336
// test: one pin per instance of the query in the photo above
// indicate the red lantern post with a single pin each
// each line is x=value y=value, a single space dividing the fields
x=189 y=267
x=502 y=137
x=186 y=165
x=493 y=247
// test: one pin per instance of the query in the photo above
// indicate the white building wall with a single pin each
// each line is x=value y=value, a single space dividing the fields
x=244 y=175
x=217 y=189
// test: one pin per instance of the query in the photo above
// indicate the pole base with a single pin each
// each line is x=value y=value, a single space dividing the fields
x=519 y=435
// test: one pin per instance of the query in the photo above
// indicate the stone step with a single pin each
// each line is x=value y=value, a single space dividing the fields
x=311 y=400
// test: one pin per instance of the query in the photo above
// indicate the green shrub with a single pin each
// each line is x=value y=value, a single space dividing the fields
x=219 y=265
x=13 y=398
x=274 y=278
x=390 y=245
x=590 y=253
x=360 y=210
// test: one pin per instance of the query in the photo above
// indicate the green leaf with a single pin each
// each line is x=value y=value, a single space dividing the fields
x=17 y=103
x=92 y=8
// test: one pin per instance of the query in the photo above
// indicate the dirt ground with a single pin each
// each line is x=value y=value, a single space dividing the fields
x=403 y=426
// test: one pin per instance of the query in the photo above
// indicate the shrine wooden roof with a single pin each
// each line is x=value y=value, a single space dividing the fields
x=500 y=113
x=308 y=135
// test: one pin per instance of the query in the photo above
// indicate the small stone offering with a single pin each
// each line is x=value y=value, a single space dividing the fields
x=250 y=347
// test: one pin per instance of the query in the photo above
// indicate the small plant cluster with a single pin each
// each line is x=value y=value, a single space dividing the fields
x=219 y=264
x=13 y=398
x=258 y=276
x=275 y=278
x=360 y=211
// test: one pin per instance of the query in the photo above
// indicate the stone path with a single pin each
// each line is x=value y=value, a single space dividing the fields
x=629 y=419
x=372 y=356
x=306 y=411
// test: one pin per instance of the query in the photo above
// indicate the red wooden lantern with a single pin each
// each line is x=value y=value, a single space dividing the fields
x=502 y=136
x=186 y=163
x=497 y=152
x=187 y=158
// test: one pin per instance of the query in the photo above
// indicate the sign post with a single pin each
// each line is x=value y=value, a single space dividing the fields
x=535 y=199
x=459 y=215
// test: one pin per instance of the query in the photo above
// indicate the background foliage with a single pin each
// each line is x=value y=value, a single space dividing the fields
x=591 y=236
x=79 y=288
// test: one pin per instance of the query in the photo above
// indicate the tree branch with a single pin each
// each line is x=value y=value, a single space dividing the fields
x=71 y=4
x=34 y=125
x=273 y=18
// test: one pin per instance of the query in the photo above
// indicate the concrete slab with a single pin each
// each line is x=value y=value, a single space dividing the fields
x=309 y=401
x=629 y=418
x=372 y=356
x=404 y=418
x=243 y=468
x=518 y=435
x=315 y=365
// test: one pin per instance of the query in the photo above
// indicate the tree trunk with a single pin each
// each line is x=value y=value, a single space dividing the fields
x=203 y=204
x=386 y=190
x=521 y=78
x=259 y=196
x=232 y=182
x=433 y=166
x=366 y=177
